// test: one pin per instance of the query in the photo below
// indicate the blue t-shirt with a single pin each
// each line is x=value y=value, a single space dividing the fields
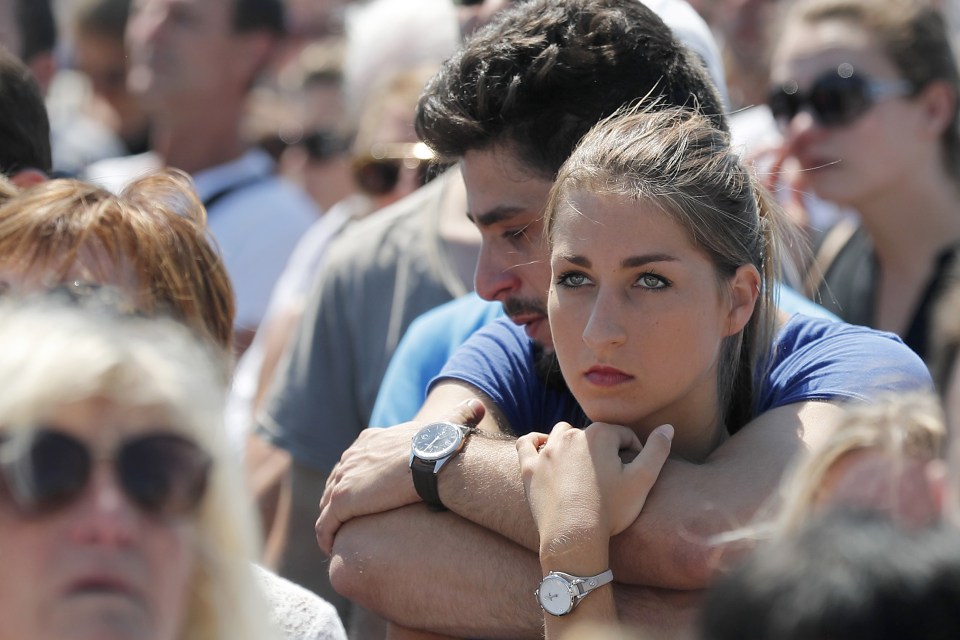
x=435 y=336
x=813 y=359
x=422 y=352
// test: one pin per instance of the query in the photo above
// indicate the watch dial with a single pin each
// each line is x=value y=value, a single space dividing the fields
x=436 y=441
x=554 y=596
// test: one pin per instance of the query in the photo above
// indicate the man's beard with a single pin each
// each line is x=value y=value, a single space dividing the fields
x=515 y=307
x=547 y=367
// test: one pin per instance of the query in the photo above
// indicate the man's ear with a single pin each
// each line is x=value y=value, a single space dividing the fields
x=744 y=291
x=28 y=177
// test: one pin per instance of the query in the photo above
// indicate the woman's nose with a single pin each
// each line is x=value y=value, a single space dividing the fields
x=104 y=515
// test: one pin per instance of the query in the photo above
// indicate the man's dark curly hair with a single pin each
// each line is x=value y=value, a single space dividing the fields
x=544 y=72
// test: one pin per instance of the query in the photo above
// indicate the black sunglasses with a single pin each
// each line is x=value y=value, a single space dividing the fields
x=321 y=145
x=836 y=98
x=378 y=172
x=163 y=474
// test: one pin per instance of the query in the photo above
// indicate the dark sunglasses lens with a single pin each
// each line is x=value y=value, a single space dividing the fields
x=839 y=101
x=164 y=474
x=52 y=470
x=378 y=177
x=783 y=105
x=322 y=145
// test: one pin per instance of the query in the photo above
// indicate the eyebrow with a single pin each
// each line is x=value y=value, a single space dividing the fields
x=495 y=215
x=627 y=263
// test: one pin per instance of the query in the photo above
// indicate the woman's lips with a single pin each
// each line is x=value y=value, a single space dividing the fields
x=606 y=376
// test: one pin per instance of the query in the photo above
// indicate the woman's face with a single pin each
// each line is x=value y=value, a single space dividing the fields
x=638 y=319
x=97 y=567
x=92 y=267
x=855 y=163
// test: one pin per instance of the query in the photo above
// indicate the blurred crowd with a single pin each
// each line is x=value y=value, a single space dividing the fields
x=254 y=252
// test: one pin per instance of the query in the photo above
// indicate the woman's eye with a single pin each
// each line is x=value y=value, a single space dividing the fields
x=651 y=281
x=572 y=280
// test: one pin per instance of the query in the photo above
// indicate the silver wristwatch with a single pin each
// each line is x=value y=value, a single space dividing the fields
x=559 y=592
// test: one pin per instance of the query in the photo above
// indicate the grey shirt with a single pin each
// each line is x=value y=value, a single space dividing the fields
x=379 y=275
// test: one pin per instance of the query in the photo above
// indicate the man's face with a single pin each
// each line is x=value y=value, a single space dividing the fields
x=182 y=50
x=506 y=200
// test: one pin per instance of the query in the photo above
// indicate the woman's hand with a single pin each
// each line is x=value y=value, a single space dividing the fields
x=577 y=484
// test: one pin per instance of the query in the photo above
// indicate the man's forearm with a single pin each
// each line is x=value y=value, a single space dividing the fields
x=671 y=544
x=483 y=486
x=438 y=572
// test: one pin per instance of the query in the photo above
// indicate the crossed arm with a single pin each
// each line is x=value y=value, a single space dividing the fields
x=490 y=541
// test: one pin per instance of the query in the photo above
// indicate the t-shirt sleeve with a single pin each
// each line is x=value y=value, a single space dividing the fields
x=418 y=358
x=312 y=410
x=499 y=361
x=423 y=351
x=817 y=359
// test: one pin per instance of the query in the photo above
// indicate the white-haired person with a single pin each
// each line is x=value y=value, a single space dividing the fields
x=122 y=514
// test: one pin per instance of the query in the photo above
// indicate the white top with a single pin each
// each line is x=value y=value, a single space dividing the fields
x=256 y=226
x=693 y=31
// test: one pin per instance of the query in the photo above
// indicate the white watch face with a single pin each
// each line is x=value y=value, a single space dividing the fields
x=554 y=595
x=437 y=440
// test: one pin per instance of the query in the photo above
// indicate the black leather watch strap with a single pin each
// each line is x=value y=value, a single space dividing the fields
x=425 y=482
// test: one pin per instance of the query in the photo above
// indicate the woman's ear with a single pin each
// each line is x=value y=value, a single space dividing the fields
x=744 y=291
x=939 y=101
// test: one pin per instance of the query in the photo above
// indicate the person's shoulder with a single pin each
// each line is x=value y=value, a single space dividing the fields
x=385 y=232
x=298 y=613
x=803 y=329
x=469 y=310
x=881 y=358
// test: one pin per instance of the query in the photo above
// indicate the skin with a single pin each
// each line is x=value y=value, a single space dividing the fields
x=840 y=162
x=185 y=57
x=371 y=491
x=887 y=162
x=102 y=60
x=505 y=201
x=638 y=319
x=876 y=479
x=578 y=513
x=99 y=567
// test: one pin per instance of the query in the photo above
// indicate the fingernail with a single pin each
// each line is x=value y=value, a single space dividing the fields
x=666 y=430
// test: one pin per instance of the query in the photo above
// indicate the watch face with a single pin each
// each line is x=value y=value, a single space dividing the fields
x=554 y=595
x=437 y=440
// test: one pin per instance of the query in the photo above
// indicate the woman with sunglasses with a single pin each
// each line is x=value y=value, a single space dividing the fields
x=122 y=514
x=865 y=92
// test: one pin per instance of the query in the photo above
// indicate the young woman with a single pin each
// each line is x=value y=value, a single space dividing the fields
x=865 y=92
x=664 y=255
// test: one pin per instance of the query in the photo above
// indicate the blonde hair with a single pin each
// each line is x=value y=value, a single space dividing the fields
x=56 y=355
x=677 y=160
x=901 y=427
x=157 y=227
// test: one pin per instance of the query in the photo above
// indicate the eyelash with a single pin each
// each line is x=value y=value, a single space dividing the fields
x=563 y=280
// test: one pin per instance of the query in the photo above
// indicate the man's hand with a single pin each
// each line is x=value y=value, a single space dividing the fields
x=373 y=475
